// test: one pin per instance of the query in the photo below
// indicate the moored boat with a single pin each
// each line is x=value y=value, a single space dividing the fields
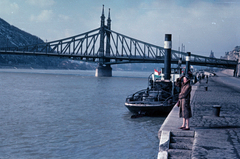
x=159 y=97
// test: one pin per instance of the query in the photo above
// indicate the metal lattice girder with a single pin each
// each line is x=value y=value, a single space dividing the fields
x=123 y=49
x=124 y=46
x=83 y=44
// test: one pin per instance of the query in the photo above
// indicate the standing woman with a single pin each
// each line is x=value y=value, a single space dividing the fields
x=184 y=102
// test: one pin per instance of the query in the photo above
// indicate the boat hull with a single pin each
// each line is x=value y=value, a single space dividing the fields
x=157 y=109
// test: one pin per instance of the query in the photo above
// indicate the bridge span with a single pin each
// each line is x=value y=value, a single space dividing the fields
x=107 y=47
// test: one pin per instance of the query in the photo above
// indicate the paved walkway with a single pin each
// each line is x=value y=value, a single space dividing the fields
x=215 y=137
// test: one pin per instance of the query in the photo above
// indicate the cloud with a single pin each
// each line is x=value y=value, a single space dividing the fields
x=7 y=7
x=41 y=3
x=44 y=16
x=200 y=26
x=68 y=32
x=63 y=17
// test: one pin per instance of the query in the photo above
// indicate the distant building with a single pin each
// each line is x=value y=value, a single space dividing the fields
x=236 y=52
x=232 y=55
x=212 y=54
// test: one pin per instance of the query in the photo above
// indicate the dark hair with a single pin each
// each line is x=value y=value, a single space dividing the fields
x=187 y=76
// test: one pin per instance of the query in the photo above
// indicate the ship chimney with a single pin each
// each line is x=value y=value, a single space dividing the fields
x=167 y=60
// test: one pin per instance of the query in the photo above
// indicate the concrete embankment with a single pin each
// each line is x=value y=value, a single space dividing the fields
x=210 y=136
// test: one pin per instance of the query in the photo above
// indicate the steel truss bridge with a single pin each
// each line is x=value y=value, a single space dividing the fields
x=107 y=47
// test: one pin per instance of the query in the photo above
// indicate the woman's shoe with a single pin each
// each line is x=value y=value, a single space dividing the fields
x=181 y=127
x=186 y=128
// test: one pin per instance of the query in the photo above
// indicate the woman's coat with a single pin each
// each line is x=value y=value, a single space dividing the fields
x=184 y=98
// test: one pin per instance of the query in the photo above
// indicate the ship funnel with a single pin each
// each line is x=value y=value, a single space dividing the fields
x=167 y=60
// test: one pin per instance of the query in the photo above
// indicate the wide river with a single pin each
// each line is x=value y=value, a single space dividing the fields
x=73 y=114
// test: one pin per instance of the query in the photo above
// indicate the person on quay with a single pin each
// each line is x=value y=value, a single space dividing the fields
x=184 y=101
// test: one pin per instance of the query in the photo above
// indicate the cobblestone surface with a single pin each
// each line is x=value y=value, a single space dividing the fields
x=216 y=137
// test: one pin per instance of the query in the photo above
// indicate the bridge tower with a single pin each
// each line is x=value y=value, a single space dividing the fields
x=104 y=70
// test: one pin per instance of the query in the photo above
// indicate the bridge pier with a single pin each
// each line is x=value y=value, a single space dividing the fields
x=237 y=70
x=103 y=71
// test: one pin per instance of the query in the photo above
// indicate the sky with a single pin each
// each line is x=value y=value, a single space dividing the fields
x=200 y=25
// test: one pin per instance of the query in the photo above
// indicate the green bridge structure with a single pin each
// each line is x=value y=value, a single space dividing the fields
x=107 y=47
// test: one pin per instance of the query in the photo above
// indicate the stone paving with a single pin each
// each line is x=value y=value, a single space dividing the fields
x=216 y=137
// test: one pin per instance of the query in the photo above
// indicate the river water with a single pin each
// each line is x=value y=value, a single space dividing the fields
x=72 y=114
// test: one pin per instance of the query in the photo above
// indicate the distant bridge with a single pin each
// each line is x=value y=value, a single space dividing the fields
x=107 y=47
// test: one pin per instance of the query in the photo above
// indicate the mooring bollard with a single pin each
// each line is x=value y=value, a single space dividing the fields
x=206 y=88
x=216 y=110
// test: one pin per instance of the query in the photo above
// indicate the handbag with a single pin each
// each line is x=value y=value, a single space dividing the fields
x=178 y=103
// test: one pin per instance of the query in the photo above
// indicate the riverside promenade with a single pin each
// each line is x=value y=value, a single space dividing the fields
x=209 y=136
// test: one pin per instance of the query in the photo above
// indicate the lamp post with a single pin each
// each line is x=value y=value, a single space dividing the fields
x=179 y=62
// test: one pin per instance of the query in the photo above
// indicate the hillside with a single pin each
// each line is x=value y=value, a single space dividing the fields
x=11 y=36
